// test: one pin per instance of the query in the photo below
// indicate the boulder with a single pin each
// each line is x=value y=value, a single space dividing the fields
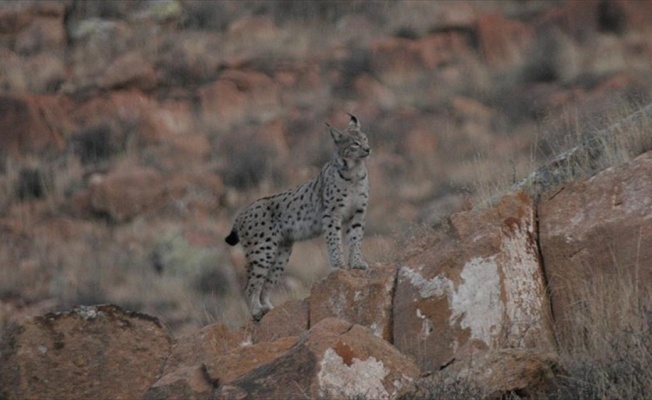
x=214 y=369
x=127 y=192
x=359 y=297
x=209 y=343
x=131 y=69
x=493 y=374
x=238 y=96
x=334 y=360
x=480 y=281
x=287 y=319
x=502 y=41
x=597 y=230
x=244 y=359
x=192 y=383
x=29 y=123
x=94 y=352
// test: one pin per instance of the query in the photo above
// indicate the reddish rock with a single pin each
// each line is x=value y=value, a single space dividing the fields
x=209 y=343
x=287 y=319
x=127 y=192
x=29 y=123
x=129 y=70
x=493 y=374
x=359 y=297
x=596 y=230
x=253 y=29
x=192 y=383
x=242 y=360
x=223 y=104
x=580 y=19
x=98 y=352
x=396 y=61
x=481 y=281
x=501 y=40
x=334 y=360
x=96 y=43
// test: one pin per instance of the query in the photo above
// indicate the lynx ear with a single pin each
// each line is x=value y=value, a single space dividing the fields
x=335 y=134
x=354 y=124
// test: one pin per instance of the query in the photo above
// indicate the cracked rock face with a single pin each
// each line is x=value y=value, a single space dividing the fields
x=595 y=232
x=480 y=283
x=335 y=359
x=98 y=352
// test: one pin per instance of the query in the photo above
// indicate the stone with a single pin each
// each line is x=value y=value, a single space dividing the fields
x=127 y=192
x=28 y=122
x=334 y=360
x=91 y=352
x=209 y=343
x=130 y=70
x=190 y=383
x=359 y=297
x=596 y=229
x=493 y=374
x=242 y=360
x=287 y=319
x=502 y=41
x=479 y=281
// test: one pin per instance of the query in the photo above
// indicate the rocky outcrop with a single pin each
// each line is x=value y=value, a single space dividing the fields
x=334 y=360
x=480 y=282
x=597 y=229
x=98 y=352
x=370 y=291
x=492 y=374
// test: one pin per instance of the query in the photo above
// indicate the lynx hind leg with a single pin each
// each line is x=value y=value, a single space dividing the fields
x=255 y=281
x=259 y=263
x=282 y=258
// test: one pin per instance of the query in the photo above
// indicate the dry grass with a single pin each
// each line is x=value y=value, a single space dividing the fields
x=608 y=350
x=581 y=146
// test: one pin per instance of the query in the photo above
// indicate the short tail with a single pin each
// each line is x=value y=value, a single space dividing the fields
x=233 y=238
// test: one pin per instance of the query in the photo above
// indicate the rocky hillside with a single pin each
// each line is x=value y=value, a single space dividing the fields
x=132 y=132
x=491 y=306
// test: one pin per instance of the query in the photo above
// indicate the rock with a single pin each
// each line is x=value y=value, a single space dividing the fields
x=593 y=230
x=333 y=360
x=359 y=297
x=396 y=61
x=257 y=29
x=28 y=125
x=242 y=360
x=287 y=319
x=185 y=383
x=480 y=281
x=127 y=192
x=501 y=40
x=209 y=343
x=96 y=43
x=129 y=70
x=95 y=352
x=493 y=374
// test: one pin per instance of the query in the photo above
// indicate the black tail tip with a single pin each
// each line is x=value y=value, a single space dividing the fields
x=232 y=239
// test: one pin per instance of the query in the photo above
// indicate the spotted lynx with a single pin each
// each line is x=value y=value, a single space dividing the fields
x=333 y=203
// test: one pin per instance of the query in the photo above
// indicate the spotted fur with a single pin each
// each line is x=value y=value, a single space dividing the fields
x=334 y=203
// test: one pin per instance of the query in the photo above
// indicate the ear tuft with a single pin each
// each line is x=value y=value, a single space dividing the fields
x=354 y=123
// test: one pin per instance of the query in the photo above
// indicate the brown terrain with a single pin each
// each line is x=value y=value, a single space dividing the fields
x=509 y=229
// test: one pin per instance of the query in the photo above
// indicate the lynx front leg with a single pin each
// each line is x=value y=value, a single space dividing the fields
x=354 y=233
x=333 y=233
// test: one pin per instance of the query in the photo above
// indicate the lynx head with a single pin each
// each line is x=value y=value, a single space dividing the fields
x=351 y=144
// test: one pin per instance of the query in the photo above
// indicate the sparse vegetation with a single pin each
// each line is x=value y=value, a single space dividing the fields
x=447 y=127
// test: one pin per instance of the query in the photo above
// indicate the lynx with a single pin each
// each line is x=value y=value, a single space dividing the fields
x=333 y=203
